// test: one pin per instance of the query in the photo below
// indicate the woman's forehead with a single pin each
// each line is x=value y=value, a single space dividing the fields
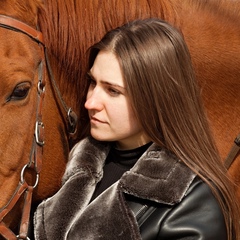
x=106 y=68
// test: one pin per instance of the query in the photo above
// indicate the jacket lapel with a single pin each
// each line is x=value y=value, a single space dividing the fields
x=107 y=217
x=158 y=176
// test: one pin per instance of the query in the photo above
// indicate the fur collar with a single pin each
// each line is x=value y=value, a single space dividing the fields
x=157 y=176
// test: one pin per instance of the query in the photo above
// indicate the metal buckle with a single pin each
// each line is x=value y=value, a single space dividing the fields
x=37 y=131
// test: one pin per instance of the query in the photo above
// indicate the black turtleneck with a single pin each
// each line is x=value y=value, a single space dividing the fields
x=117 y=163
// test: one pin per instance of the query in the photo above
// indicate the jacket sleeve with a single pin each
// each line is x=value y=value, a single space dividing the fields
x=197 y=217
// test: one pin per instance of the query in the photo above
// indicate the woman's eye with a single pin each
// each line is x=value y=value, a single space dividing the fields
x=113 y=92
x=20 y=92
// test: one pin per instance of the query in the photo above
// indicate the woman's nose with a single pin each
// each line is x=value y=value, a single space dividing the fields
x=93 y=101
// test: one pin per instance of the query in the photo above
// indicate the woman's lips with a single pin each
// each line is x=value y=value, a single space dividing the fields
x=96 y=120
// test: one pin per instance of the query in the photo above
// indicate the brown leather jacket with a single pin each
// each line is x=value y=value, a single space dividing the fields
x=178 y=204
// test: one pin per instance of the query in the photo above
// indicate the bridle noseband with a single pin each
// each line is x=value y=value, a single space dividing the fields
x=35 y=162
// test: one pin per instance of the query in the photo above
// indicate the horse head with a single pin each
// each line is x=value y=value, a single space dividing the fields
x=33 y=115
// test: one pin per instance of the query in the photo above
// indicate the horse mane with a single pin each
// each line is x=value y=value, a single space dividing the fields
x=58 y=21
x=23 y=10
x=70 y=27
x=224 y=9
x=228 y=8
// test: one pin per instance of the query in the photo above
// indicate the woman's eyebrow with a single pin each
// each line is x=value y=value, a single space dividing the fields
x=104 y=82
x=112 y=84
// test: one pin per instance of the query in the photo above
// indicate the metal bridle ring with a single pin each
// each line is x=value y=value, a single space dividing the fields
x=40 y=88
x=22 y=176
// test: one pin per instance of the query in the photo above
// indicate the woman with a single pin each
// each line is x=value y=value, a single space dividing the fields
x=150 y=169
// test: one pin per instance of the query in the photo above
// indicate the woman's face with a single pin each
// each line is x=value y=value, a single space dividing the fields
x=109 y=109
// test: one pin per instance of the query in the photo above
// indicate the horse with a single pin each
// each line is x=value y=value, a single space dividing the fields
x=211 y=29
x=36 y=122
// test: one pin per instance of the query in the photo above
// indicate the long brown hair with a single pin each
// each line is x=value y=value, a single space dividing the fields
x=165 y=96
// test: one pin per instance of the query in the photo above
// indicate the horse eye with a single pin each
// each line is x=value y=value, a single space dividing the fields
x=20 y=92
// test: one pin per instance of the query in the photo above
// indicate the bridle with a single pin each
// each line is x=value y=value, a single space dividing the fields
x=235 y=150
x=35 y=161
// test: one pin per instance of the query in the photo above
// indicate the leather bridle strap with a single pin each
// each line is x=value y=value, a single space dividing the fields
x=16 y=25
x=235 y=150
x=71 y=115
x=23 y=232
x=4 y=230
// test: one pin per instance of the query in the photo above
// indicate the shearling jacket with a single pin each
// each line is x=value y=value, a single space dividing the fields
x=176 y=204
